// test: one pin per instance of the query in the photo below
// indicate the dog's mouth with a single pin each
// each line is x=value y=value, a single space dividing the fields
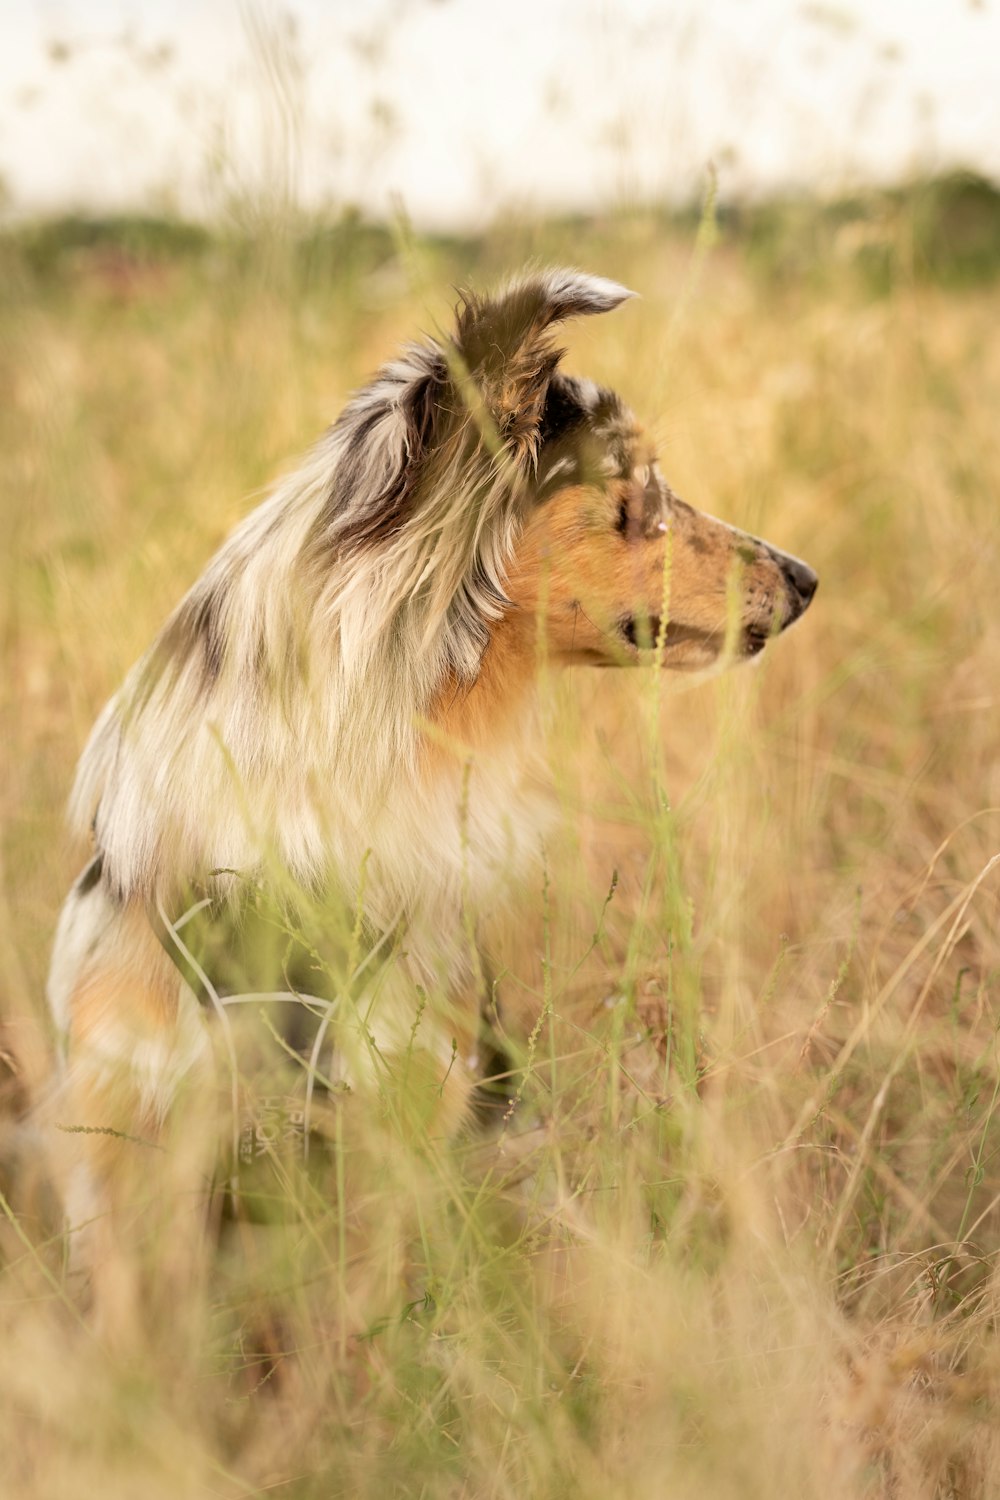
x=645 y=633
x=755 y=638
x=642 y=631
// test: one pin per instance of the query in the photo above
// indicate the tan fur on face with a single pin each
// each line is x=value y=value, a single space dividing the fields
x=576 y=576
x=581 y=576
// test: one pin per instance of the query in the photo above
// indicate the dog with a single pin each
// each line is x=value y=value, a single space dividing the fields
x=342 y=714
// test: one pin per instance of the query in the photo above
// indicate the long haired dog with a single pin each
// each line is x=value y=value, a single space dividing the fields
x=340 y=715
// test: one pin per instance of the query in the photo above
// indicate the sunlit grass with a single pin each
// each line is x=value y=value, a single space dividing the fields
x=736 y=1235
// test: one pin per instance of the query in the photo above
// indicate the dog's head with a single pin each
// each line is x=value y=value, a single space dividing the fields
x=491 y=481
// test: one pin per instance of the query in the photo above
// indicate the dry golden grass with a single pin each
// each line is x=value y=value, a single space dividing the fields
x=740 y=1237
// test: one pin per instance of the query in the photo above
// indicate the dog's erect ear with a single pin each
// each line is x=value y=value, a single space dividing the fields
x=505 y=351
x=496 y=370
x=387 y=432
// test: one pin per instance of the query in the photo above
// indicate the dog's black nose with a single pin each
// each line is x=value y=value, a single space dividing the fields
x=800 y=578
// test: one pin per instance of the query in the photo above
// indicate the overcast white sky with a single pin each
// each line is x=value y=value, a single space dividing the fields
x=458 y=108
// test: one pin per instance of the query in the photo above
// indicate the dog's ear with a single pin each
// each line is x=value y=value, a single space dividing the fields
x=505 y=352
x=386 y=434
x=496 y=369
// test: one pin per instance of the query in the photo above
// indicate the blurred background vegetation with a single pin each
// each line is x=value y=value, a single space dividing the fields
x=944 y=230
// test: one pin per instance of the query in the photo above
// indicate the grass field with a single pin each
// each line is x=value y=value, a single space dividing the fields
x=739 y=1235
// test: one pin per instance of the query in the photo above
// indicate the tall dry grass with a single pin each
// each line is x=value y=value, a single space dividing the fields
x=739 y=1235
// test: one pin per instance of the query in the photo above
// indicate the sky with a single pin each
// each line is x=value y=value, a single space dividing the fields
x=457 y=110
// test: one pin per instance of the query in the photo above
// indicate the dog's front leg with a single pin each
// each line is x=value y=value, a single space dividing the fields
x=129 y=1120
